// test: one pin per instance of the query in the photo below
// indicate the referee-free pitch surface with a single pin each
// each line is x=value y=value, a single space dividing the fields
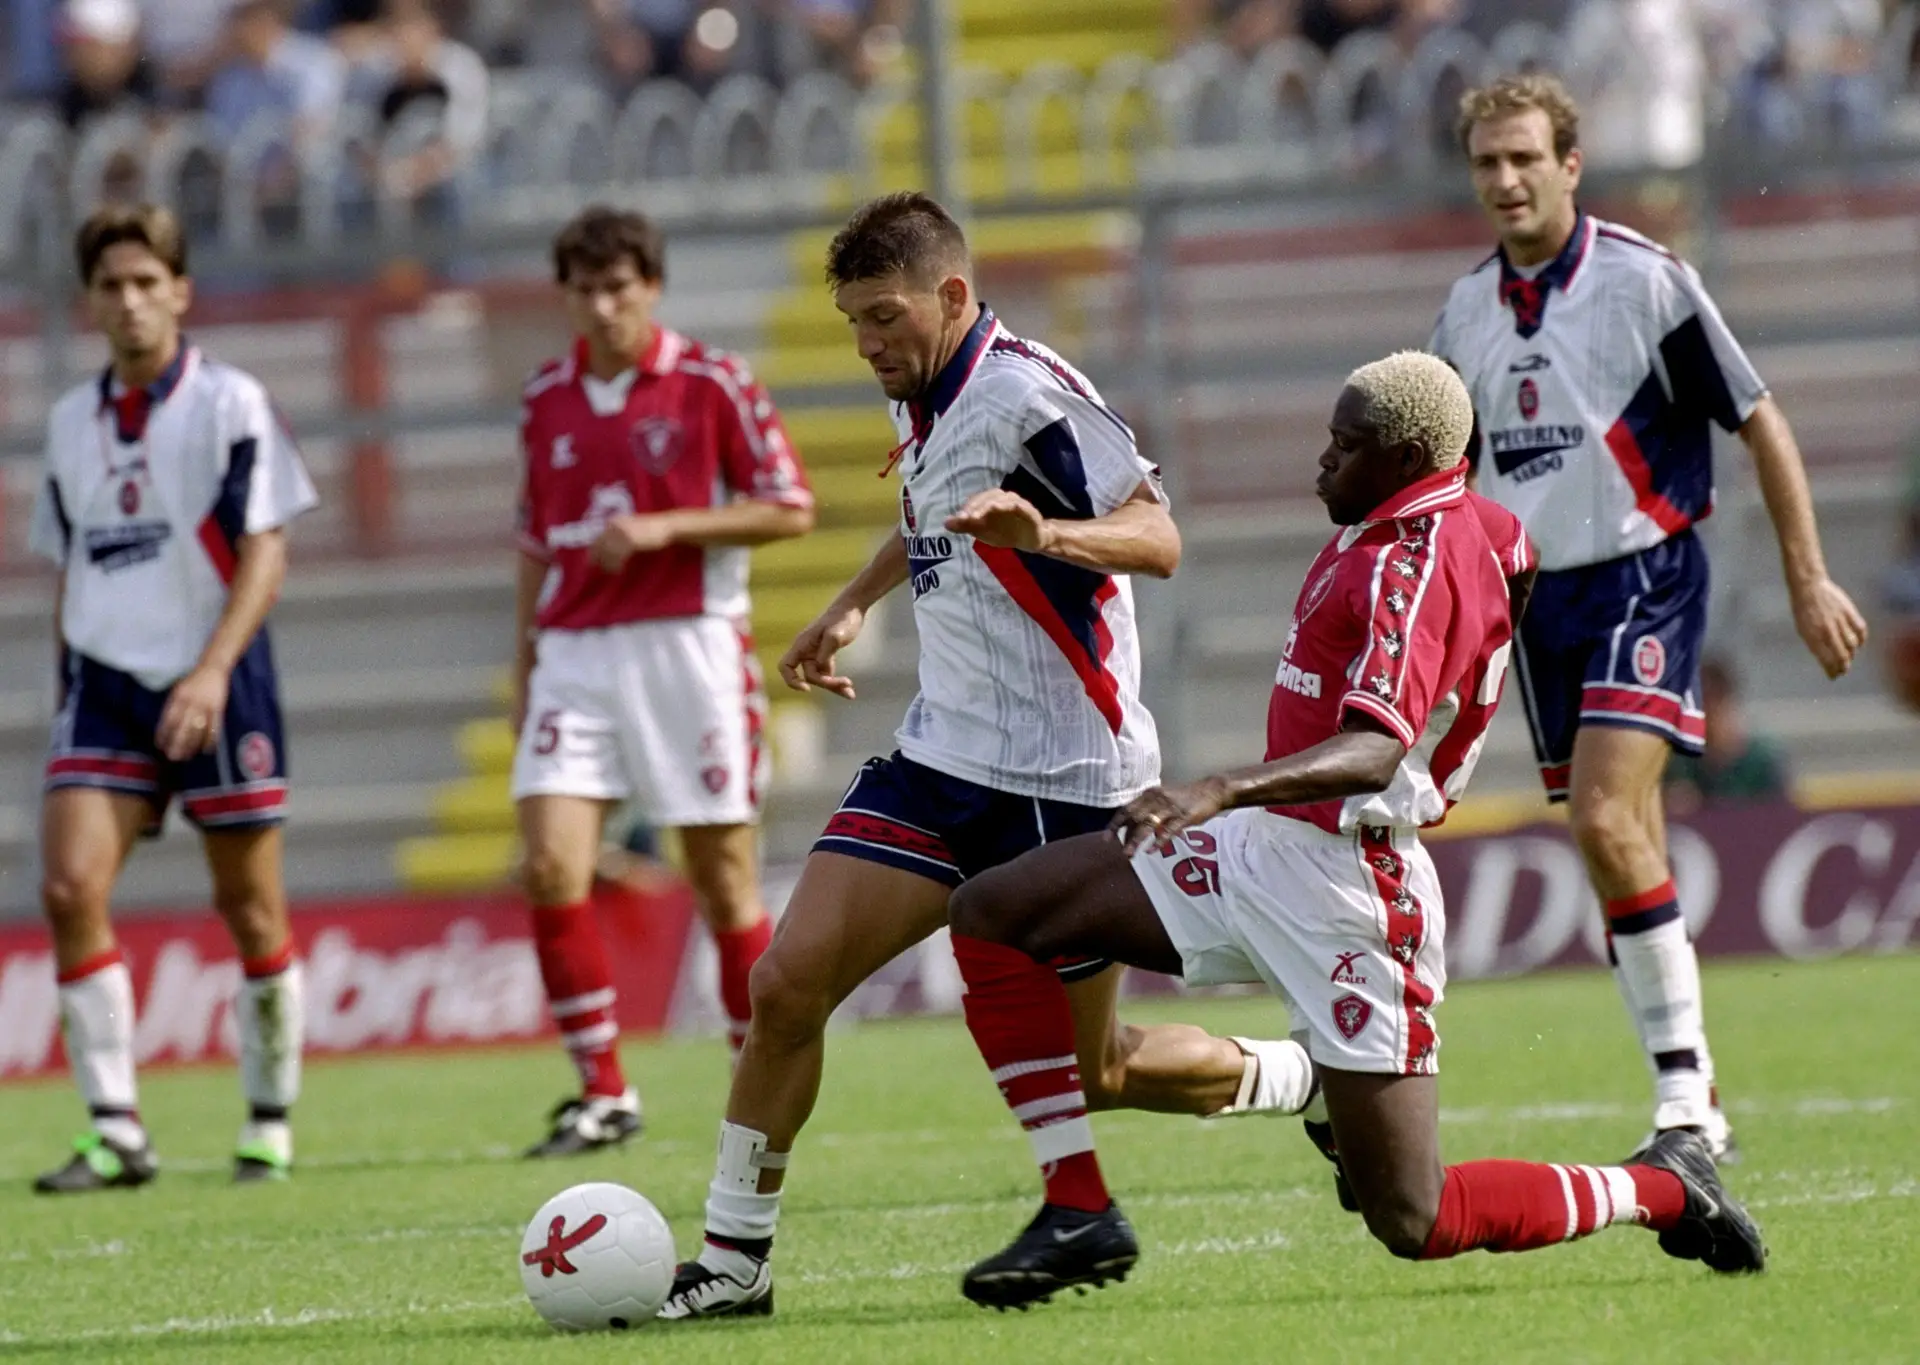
x=397 y=1238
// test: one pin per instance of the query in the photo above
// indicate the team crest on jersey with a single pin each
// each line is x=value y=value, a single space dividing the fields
x=1316 y=593
x=129 y=498
x=656 y=443
x=906 y=511
x=1649 y=660
x=562 y=456
x=1350 y=1015
x=254 y=753
x=1529 y=400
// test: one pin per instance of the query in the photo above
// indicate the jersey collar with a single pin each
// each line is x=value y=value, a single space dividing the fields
x=1435 y=493
x=956 y=372
x=662 y=353
x=163 y=385
x=1528 y=297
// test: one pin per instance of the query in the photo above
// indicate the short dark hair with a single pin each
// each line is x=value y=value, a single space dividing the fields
x=908 y=232
x=601 y=237
x=146 y=225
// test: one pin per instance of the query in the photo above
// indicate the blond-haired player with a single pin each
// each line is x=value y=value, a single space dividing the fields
x=1306 y=873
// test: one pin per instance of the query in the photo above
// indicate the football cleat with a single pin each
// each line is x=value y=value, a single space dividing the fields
x=701 y=1292
x=1716 y=1131
x=264 y=1152
x=590 y=1122
x=1321 y=1136
x=1714 y=1227
x=100 y=1163
x=1061 y=1248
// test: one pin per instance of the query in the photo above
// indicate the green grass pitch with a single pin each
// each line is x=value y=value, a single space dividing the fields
x=397 y=1239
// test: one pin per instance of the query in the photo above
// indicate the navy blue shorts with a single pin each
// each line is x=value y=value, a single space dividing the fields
x=946 y=829
x=1615 y=643
x=104 y=738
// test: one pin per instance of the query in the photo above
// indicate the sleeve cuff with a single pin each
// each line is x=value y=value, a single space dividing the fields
x=1382 y=712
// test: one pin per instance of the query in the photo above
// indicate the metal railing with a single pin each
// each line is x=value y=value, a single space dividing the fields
x=1290 y=113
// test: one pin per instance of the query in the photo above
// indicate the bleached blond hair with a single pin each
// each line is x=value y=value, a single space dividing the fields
x=1414 y=396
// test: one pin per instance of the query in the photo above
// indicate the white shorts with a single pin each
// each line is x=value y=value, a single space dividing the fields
x=666 y=714
x=1347 y=928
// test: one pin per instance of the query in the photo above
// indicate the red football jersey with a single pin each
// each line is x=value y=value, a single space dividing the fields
x=1511 y=544
x=1403 y=619
x=686 y=427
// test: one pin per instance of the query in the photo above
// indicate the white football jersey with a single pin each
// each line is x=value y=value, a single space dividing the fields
x=146 y=496
x=1029 y=666
x=1594 y=383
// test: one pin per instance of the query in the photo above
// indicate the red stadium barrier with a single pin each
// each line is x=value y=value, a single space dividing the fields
x=381 y=973
x=408 y=972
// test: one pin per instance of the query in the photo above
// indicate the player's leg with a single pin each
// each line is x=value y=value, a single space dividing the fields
x=847 y=917
x=1617 y=819
x=249 y=892
x=723 y=864
x=85 y=836
x=560 y=839
x=1388 y=1130
x=1076 y=898
x=1177 y=1068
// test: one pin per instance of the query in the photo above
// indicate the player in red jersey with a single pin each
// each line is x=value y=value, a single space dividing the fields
x=1307 y=873
x=652 y=463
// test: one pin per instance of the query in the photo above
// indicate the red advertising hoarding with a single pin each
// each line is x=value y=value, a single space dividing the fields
x=411 y=972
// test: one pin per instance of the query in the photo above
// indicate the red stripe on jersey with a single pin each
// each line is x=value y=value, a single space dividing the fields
x=214 y=541
x=1639 y=475
x=1103 y=689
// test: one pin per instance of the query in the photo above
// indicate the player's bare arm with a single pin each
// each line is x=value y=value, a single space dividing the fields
x=1358 y=761
x=749 y=521
x=529 y=578
x=1825 y=616
x=1138 y=536
x=190 y=723
x=809 y=660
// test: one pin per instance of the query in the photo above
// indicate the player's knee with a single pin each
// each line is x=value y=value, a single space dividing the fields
x=1609 y=829
x=786 y=1009
x=70 y=896
x=1402 y=1222
x=985 y=908
x=546 y=877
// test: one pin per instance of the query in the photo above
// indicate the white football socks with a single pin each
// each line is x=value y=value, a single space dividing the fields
x=271 y=1014
x=96 y=1017
x=736 y=1210
x=1658 y=974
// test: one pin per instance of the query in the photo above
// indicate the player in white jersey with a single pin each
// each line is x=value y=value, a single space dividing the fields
x=1024 y=505
x=170 y=482
x=1596 y=362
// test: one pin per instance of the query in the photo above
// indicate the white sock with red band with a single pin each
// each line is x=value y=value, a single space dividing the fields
x=96 y=1019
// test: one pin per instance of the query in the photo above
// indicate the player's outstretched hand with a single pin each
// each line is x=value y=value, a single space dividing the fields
x=190 y=721
x=809 y=660
x=626 y=536
x=1831 y=625
x=1007 y=520
x=1155 y=816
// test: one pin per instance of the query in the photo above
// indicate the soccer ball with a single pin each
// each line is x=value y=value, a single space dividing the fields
x=597 y=1256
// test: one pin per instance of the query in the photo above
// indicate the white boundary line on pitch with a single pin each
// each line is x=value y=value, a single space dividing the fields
x=1813 y=1107
x=269 y=1318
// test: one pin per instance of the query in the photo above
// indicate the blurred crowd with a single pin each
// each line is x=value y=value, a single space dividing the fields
x=276 y=73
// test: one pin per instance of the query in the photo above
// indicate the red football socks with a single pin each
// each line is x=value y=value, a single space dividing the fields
x=1018 y=1014
x=579 y=981
x=1524 y=1205
x=739 y=949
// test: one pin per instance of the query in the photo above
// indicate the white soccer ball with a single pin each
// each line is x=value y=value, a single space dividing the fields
x=597 y=1257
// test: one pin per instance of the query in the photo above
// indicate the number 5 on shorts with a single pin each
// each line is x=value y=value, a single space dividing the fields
x=546 y=733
